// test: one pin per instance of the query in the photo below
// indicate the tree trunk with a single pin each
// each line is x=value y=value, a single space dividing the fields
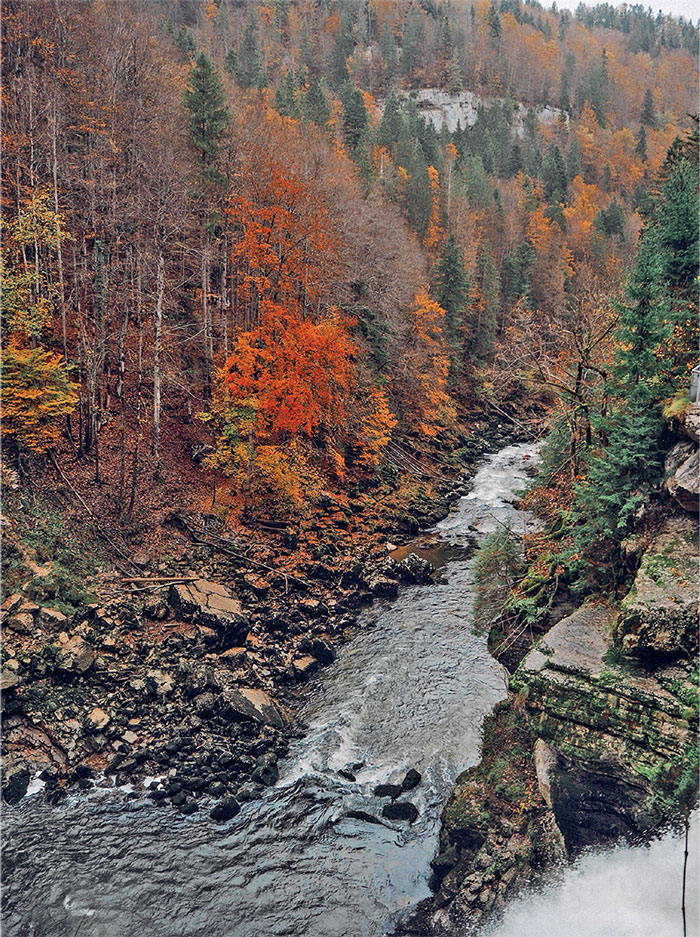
x=157 y=329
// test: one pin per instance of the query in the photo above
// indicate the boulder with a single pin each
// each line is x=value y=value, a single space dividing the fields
x=383 y=587
x=8 y=680
x=387 y=790
x=15 y=783
x=304 y=666
x=98 y=719
x=400 y=810
x=691 y=421
x=226 y=809
x=211 y=605
x=76 y=656
x=684 y=484
x=415 y=569
x=52 y=618
x=659 y=616
x=318 y=648
x=412 y=779
x=246 y=703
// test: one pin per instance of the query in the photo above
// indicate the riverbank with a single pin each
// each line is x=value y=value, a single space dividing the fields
x=597 y=742
x=318 y=853
x=193 y=671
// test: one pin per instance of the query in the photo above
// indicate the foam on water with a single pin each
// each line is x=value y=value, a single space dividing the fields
x=627 y=891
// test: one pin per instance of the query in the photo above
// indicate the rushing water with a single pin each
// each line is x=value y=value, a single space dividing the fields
x=626 y=891
x=411 y=690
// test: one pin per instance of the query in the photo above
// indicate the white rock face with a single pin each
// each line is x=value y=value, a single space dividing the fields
x=451 y=110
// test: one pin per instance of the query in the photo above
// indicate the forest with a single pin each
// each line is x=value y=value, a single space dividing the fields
x=276 y=273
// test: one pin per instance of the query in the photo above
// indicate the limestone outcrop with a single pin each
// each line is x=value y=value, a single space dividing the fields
x=659 y=617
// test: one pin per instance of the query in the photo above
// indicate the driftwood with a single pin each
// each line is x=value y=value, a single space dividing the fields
x=225 y=545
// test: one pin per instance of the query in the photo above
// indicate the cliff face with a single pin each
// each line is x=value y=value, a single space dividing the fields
x=444 y=109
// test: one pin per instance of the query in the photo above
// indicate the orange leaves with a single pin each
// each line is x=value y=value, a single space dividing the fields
x=295 y=374
x=435 y=232
x=286 y=248
x=36 y=392
x=428 y=362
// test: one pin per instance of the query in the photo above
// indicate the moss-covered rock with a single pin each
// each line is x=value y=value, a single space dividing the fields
x=659 y=618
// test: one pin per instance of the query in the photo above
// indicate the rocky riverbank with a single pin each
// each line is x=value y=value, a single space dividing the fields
x=189 y=675
x=599 y=737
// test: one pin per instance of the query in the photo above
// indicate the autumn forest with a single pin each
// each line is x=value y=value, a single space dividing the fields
x=283 y=269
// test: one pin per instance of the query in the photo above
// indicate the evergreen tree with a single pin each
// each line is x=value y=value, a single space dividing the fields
x=250 y=69
x=641 y=147
x=451 y=289
x=573 y=160
x=208 y=116
x=344 y=43
x=286 y=100
x=387 y=46
x=648 y=115
x=413 y=39
x=619 y=477
x=355 y=119
x=392 y=122
x=554 y=175
x=306 y=49
x=316 y=107
x=484 y=321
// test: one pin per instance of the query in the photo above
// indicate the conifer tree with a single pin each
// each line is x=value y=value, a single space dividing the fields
x=250 y=69
x=641 y=147
x=451 y=289
x=316 y=107
x=208 y=114
x=554 y=175
x=648 y=115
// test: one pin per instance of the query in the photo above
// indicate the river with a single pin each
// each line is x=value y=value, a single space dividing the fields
x=410 y=691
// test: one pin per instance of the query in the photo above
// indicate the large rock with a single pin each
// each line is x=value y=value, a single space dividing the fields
x=246 y=703
x=619 y=738
x=213 y=606
x=684 y=484
x=659 y=617
x=15 y=783
x=691 y=421
x=76 y=656
x=413 y=568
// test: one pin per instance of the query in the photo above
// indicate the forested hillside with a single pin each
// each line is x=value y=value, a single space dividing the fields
x=227 y=223
x=314 y=304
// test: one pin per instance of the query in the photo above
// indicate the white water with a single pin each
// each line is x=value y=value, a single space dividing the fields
x=626 y=891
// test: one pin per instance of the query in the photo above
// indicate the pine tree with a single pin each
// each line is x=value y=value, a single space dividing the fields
x=573 y=160
x=451 y=290
x=250 y=69
x=648 y=115
x=355 y=117
x=391 y=124
x=387 y=46
x=641 y=147
x=208 y=114
x=620 y=476
x=484 y=324
x=286 y=100
x=316 y=107
x=554 y=175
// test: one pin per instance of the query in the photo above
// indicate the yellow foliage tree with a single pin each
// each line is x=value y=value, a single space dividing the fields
x=36 y=392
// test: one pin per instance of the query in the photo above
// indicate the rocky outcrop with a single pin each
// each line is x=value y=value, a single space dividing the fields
x=497 y=832
x=659 y=617
x=619 y=737
x=450 y=110
x=598 y=740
